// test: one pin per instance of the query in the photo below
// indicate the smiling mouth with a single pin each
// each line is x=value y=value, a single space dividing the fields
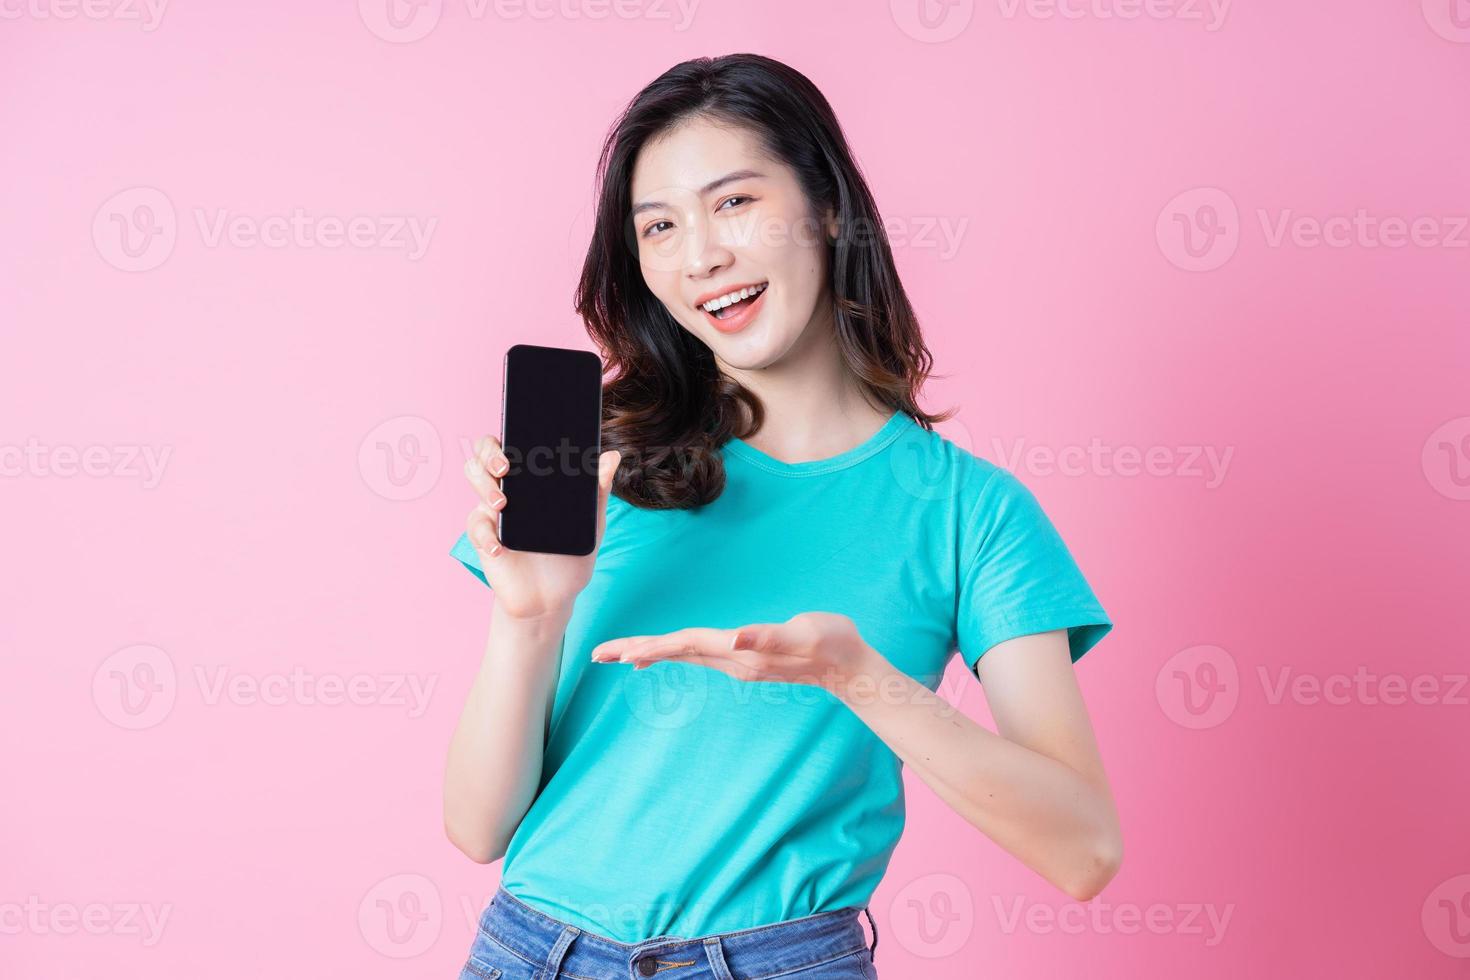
x=728 y=306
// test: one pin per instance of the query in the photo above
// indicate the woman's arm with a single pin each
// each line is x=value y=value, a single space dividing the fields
x=1038 y=788
x=494 y=765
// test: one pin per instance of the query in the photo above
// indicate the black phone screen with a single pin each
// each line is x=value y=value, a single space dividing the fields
x=551 y=432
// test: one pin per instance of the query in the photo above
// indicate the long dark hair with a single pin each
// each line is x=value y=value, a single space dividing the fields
x=668 y=408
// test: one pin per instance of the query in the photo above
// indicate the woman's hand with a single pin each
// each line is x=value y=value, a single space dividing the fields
x=528 y=585
x=818 y=648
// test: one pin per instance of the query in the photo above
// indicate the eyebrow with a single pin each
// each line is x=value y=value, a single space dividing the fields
x=715 y=184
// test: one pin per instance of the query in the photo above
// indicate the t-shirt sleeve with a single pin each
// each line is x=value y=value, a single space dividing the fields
x=1018 y=576
x=465 y=551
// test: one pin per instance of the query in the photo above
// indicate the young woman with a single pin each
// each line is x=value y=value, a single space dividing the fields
x=687 y=746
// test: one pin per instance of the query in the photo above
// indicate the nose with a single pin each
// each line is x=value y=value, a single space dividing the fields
x=705 y=257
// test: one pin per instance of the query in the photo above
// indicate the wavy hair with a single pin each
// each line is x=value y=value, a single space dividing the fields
x=667 y=408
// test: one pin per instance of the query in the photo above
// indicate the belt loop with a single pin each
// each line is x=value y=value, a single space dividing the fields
x=873 y=953
x=559 y=950
x=715 y=953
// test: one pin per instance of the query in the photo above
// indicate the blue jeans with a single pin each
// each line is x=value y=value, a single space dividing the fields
x=517 y=942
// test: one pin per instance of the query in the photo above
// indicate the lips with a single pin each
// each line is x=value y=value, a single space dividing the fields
x=737 y=316
x=726 y=290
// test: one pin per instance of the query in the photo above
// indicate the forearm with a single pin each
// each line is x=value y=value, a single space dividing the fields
x=495 y=755
x=1044 y=813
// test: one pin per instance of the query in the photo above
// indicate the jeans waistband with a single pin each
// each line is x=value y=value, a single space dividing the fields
x=545 y=941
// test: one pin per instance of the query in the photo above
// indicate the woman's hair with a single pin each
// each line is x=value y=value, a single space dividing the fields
x=668 y=407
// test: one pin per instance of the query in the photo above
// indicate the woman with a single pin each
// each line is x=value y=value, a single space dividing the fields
x=687 y=745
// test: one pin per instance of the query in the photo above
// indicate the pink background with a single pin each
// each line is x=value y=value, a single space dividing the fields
x=307 y=408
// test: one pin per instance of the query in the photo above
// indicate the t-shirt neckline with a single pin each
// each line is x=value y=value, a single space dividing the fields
x=890 y=431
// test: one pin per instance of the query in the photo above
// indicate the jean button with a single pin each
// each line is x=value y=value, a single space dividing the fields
x=647 y=967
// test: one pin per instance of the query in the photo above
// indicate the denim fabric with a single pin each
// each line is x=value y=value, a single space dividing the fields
x=517 y=942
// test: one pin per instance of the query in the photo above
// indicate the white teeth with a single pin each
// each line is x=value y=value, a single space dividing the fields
x=720 y=302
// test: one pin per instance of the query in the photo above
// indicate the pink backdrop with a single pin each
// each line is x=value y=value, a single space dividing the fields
x=1198 y=273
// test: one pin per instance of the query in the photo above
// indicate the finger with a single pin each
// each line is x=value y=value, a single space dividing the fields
x=693 y=641
x=491 y=494
x=757 y=637
x=607 y=468
x=492 y=457
x=480 y=526
x=610 y=649
x=739 y=669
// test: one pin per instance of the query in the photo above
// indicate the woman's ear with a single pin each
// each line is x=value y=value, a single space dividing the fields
x=831 y=222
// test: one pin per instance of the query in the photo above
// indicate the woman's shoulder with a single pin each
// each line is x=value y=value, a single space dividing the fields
x=946 y=464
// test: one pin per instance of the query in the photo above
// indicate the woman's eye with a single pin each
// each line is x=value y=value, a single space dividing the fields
x=653 y=229
x=737 y=197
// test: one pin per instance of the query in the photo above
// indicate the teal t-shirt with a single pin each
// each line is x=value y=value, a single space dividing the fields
x=679 y=801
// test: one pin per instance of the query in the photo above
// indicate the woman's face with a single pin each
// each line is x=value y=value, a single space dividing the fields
x=712 y=215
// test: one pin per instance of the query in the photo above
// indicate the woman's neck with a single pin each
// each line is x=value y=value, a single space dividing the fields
x=813 y=410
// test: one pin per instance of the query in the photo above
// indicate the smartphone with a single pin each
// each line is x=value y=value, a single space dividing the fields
x=551 y=432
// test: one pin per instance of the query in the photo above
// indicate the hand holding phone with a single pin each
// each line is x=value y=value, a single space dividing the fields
x=544 y=485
